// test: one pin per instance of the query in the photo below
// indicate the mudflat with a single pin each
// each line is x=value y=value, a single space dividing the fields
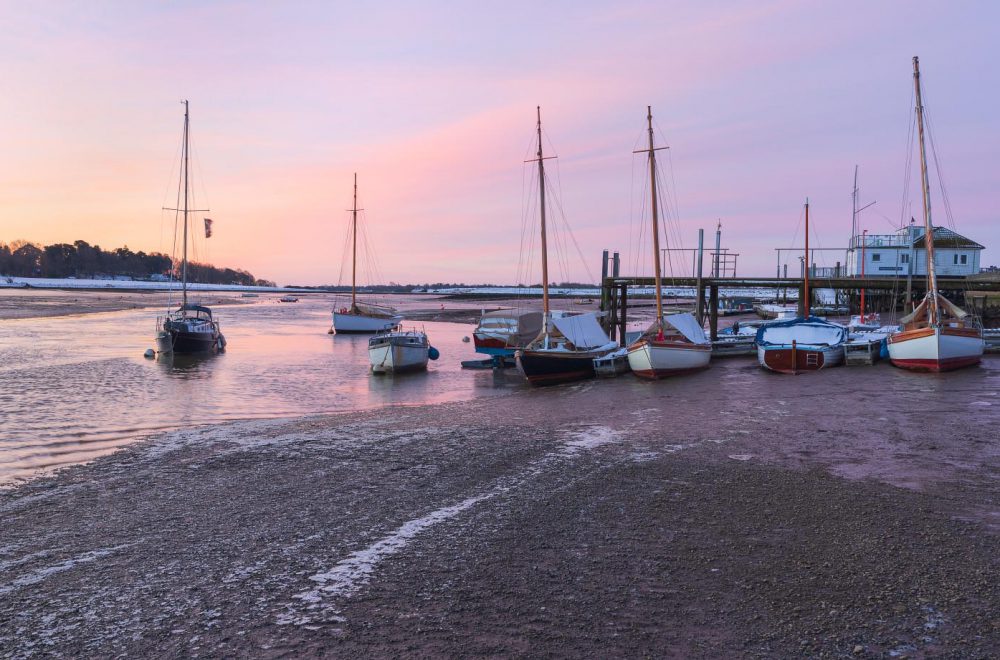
x=847 y=513
x=37 y=303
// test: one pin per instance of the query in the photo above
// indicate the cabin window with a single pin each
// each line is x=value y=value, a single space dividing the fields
x=876 y=256
x=963 y=259
x=904 y=258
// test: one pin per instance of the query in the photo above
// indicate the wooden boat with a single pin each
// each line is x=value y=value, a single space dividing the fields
x=565 y=349
x=288 y=299
x=937 y=335
x=361 y=318
x=398 y=351
x=190 y=329
x=801 y=344
x=675 y=344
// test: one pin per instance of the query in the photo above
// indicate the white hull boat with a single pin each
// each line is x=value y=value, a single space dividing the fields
x=679 y=348
x=360 y=323
x=398 y=352
x=936 y=348
x=938 y=335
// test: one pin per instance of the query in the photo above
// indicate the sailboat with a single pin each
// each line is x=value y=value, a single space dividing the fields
x=190 y=329
x=676 y=343
x=565 y=349
x=361 y=317
x=805 y=343
x=938 y=335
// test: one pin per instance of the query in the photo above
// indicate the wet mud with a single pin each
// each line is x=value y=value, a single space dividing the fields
x=852 y=513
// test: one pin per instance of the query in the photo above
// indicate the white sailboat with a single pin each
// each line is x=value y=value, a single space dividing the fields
x=361 y=317
x=674 y=344
x=937 y=335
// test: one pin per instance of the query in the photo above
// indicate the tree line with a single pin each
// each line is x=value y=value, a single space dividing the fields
x=82 y=260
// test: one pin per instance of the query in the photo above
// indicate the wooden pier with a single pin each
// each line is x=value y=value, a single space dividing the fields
x=884 y=293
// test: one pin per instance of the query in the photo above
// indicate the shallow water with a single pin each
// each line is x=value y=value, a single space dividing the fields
x=78 y=387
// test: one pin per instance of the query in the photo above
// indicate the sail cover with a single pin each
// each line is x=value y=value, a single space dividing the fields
x=805 y=332
x=943 y=303
x=583 y=330
x=688 y=326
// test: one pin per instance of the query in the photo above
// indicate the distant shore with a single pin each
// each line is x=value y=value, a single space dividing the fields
x=687 y=518
x=38 y=303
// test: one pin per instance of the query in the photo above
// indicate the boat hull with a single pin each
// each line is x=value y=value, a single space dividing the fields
x=190 y=343
x=936 y=349
x=492 y=345
x=653 y=359
x=398 y=353
x=789 y=360
x=361 y=324
x=554 y=367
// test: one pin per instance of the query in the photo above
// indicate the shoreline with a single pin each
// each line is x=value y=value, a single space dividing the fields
x=546 y=522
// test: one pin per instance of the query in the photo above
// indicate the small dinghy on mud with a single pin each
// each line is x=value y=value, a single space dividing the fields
x=400 y=351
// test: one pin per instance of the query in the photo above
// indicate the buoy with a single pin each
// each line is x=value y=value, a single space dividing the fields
x=150 y=353
x=465 y=340
x=433 y=353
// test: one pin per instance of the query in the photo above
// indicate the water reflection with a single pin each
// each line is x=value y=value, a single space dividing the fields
x=83 y=387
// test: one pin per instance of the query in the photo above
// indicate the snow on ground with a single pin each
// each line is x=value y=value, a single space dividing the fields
x=72 y=283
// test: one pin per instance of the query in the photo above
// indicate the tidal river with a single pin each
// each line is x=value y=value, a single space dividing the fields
x=78 y=387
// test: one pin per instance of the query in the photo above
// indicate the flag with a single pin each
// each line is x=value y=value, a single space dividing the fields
x=208 y=228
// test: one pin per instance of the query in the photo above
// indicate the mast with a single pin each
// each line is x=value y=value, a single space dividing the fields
x=808 y=303
x=656 y=221
x=354 y=254
x=925 y=184
x=184 y=262
x=541 y=201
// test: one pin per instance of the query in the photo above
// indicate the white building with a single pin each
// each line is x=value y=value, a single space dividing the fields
x=904 y=253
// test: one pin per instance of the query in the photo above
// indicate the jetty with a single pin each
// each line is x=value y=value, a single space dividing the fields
x=887 y=293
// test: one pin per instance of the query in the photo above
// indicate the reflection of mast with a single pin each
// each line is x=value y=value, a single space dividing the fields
x=925 y=184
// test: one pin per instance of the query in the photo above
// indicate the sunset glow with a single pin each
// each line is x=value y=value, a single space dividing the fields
x=432 y=104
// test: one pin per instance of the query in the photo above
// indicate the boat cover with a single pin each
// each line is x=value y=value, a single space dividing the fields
x=583 y=330
x=522 y=326
x=943 y=303
x=810 y=331
x=378 y=311
x=687 y=325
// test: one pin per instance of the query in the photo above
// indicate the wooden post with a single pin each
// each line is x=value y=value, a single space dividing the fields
x=623 y=313
x=713 y=311
x=612 y=317
x=700 y=307
x=802 y=299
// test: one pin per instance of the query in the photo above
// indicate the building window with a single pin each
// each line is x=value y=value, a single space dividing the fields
x=955 y=257
x=904 y=258
x=964 y=259
x=876 y=256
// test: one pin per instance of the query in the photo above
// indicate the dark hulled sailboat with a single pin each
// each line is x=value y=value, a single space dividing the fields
x=565 y=349
x=190 y=329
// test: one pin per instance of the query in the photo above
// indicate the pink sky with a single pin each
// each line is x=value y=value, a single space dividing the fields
x=433 y=104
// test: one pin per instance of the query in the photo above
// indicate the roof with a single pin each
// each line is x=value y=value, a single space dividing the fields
x=946 y=238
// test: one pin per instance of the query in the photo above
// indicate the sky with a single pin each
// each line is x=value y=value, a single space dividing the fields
x=762 y=104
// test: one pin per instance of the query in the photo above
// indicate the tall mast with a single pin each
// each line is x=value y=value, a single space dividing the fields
x=184 y=263
x=354 y=254
x=925 y=184
x=541 y=201
x=656 y=219
x=808 y=303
